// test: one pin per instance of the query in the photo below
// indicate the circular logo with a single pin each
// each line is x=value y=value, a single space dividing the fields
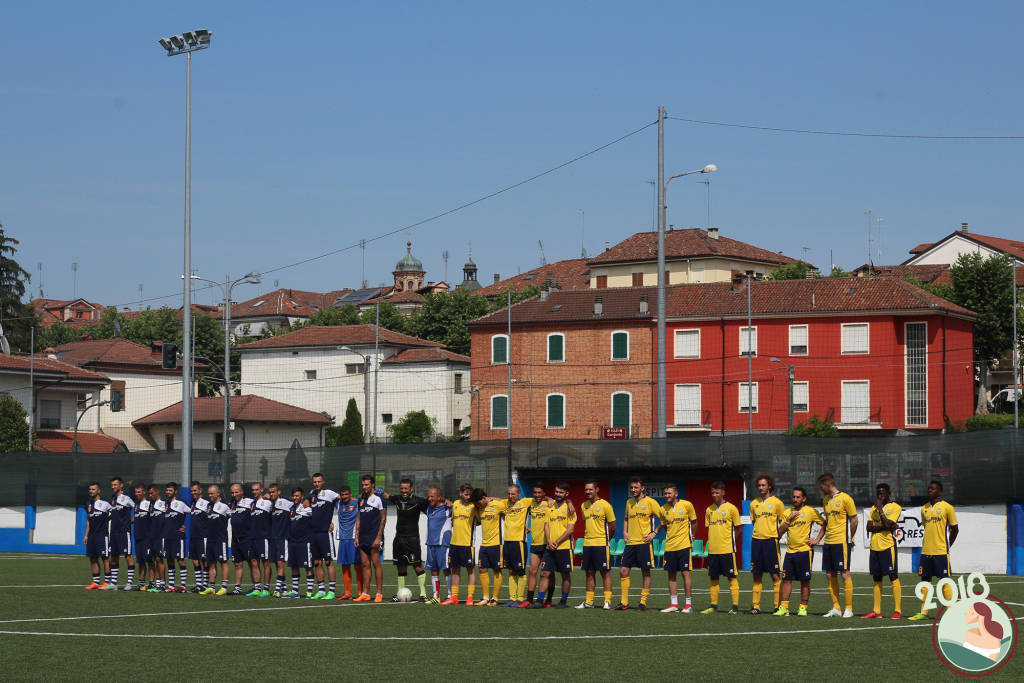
x=975 y=636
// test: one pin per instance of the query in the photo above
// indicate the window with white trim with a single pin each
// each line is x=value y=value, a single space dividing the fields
x=687 y=344
x=499 y=349
x=917 y=373
x=748 y=397
x=748 y=341
x=620 y=345
x=855 y=338
x=555 y=411
x=801 y=397
x=798 y=340
x=556 y=347
x=310 y=374
x=499 y=411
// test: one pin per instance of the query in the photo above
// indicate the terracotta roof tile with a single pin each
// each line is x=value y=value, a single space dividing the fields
x=108 y=350
x=923 y=247
x=197 y=309
x=295 y=303
x=247 y=408
x=569 y=274
x=433 y=355
x=929 y=274
x=686 y=243
x=1013 y=247
x=335 y=336
x=89 y=442
x=620 y=303
x=44 y=364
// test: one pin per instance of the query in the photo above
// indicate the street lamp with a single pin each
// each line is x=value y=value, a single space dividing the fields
x=186 y=44
x=789 y=376
x=252 y=278
x=366 y=393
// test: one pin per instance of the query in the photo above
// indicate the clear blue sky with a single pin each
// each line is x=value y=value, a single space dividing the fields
x=318 y=124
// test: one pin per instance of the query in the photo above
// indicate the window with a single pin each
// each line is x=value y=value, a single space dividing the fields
x=856 y=402
x=556 y=347
x=917 y=373
x=81 y=401
x=801 y=397
x=687 y=405
x=555 y=411
x=748 y=397
x=620 y=345
x=748 y=341
x=49 y=414
x=169 y=442
x=687 y=344
x=697 y=272
x=499 y=349
x=798 y=340
x=456 y=426
x=668 y=276
x=602 y=281
x=310 y=374
x=855 y=338
x=458 y=382
x=622 y=410
x=499 y=411
x=638 y=279
x=386 y=418
x=353 y=368
x=218 y=441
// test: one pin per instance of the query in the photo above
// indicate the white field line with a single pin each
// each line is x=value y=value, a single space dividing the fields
x=222 y=612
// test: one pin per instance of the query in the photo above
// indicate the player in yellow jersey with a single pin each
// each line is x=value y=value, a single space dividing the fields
x=460 y=551
x=882 y=522
x=841 y=514
x=796 y=524
x=558 y=555
x=722 y=520
x=677 y=517
x=766 y=514
x=639 y=531
x=538 y=518
x=599 y=520
x=490 y=511
x=514 y=554
x=940 y=530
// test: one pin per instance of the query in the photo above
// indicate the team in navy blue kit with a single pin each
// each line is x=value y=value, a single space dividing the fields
x=280 y=526
x=197 y=537
x=122 y=507
x=300 y=541
x=218 y=516
x=259 y=541
x=97 y=537
x=174 y=538
x=322 y=502
x=140 y=524
x=370 y=535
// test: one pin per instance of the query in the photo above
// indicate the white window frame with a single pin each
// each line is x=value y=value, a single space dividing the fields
x=508 y=349
x=742 y=396
x=807 y=408
x=842 y=408
x=611 y=408
x=611 y=343
x=842 y=339
x=547 y=414
x=743 y=340
x=547 y=347
x=807 y=340
x=906 y=358
x=675 y=345
x=700 y=402
x=508 y=416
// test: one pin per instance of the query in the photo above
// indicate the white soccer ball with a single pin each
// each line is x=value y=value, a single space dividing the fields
x=404 y=595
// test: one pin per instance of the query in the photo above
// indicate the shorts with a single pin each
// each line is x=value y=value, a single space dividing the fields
x=723 y=564
x=300 y=554
x=239 y=550
x=797 y=566
x=557 y=561
x=460 y=556
x=216 y=550
x=490 y=557
x=348 y=553
x=278 y=550
x=596 y=558
x=764 y=556
x=156 y=548
x=121 y=544
x=323 y=546
x=369 y=547
x=197 y=548
x=142 y=553
x=97 y=546
x=637 y=556
x=933 y=567
x=677 y=560
x=883 y=563
x=437 y=557
x=538 y=550
x=512 y=556
x=407 y=549
x=174 y=548
x=259 y=549
x=836 y=557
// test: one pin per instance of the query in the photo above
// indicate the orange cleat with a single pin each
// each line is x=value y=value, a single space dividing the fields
x=469 y=601
x=450 y=601
x=92 y=587
x=362 y=597
x=379 y=598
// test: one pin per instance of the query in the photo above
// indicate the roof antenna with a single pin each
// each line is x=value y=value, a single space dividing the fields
x=444 y=257
x=583 y=233
x=543 y=259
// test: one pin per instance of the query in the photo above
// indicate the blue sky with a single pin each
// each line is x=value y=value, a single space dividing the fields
x=318 y=124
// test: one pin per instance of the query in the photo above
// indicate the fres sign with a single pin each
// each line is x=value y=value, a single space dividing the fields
x=910 y=533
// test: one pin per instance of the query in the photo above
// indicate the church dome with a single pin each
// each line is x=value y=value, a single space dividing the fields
x=409 y=263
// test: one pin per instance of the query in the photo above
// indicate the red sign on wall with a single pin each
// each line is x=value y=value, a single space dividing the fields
x=615 y=432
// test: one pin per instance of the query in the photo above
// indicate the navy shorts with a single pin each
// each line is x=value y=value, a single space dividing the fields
x=596 y=558
x=513 y=557
x=174 y=548
x=156 y=548
x=97 y=545
x=933 y=567
x=836 y=557
x=764 y=556
x=557 y=561
x=677 y=560
x=407 y=549
x=197 y=548
x=368 y=547
x=216 y=550
x=300 y=554
x=722 y=565
x=278 y=550
x=490 y=557
x=637 y=556
x=142 y=553
x=121 y=544
x=437 y=557
x=460 y=556
x=883 y=563
x=259 y=549
x=323 y=546
x=797 y=566
x=538 y=550
x=348 y=553
x=239 y=550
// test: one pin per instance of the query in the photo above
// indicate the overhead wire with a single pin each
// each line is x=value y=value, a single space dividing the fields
x=859 y=134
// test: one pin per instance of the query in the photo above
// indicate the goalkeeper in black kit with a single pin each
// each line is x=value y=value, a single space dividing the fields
x=406 y=548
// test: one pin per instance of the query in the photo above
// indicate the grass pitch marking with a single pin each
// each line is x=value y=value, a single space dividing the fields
x=169 y=614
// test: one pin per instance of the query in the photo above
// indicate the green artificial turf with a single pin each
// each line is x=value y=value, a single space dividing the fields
x=297 y=638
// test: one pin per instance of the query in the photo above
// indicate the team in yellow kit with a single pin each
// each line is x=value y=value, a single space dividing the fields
x=940 y=531
x=677 y=518
x=722 y=520
x=599 y=526
x=883 y=520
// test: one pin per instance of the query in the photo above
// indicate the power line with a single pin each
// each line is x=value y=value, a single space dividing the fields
x=846 y=133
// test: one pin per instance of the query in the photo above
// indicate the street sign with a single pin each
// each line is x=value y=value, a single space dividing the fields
x=615 y=432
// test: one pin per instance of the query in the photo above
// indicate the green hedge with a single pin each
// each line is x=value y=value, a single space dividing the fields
x=976 y=423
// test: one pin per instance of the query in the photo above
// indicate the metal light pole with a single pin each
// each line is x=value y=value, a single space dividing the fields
x=1016 y=351
x=790 y=376
x=186 y=44
x=750 y=362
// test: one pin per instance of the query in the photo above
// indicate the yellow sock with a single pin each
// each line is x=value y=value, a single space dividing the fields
x=833 y=591
x=471 y=591
x=897 y=594
x=923 y=610
x=590 y=597
x=624 y=590
x=947 y=592
x=877 y=594
x=456 y=590
x=757 y=594
x=497 y=585
x=485 y=583
x=848 y=592
x=608 y=597
x=784 y=605
x=734 y=590
x=776 y=589
x=644 y=594
x=715 y=587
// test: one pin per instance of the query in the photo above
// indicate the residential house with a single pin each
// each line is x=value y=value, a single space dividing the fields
x=280 y=308
x=71 y=312
x=567 y=274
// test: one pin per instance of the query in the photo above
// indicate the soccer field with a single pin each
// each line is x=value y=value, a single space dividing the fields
x=50 y=628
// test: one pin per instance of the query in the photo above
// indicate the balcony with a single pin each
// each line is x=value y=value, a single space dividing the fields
x=684 y=420
x=855 y=417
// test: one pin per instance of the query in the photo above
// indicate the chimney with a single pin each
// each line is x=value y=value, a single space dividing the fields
x=607 y=246
x=598 y=306
x=643 y=304
x=497 y=278
x=713 y=233
x=543 y=295
x=963 y=227
x=671 y=227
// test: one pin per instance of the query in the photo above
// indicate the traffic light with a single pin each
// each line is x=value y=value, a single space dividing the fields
x=263 y=466
x=117 y=396
x=170 y=357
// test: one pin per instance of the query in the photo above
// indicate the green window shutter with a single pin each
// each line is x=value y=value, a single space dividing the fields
x=499 y=350
x=620 y=410
x=620 y=346
x=556 y=348
x=556 y=410
x=499 y=412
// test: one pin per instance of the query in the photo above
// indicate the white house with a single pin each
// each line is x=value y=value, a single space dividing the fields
x=321 y=368
x=963 y=241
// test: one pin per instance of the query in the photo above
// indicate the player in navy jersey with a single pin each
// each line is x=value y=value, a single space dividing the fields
x=121 y=532
x=280 y=523
x=405 y=549
x=140 y=528
x=370 y=534
x=300 y=552
x=197 y=533
x=174 y=538
x=97 y=537
x=321 y=502
x=157 y=508
x=259 y=541
x=348 y=546
x=439 y=537
x=217 y=515
x=240 y=522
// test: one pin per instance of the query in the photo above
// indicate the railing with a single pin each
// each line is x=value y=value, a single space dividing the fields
x=684 y=417
x=855 y=415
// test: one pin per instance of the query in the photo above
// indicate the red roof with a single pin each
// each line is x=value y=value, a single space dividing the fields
x=407 y=296
x=923 y=247
x=686 y=243
x=931 y=274
x=1014 y=248
x=42 y=364
x=197 y=309
x=433 y=355
x=568 y=274
x=294 y=303
x=88 y=442
x=336 y=335
x=619 y=303
x=248 y=408
x=51 y=311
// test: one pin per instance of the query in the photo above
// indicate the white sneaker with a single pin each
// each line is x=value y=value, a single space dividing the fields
x=607 y=606
x=848 y=614
x=687 y=610
x=584 y=605
x=833 y=613
x=670 y=608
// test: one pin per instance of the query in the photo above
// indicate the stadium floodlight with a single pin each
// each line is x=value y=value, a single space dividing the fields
x=166 y=44
x=203 y=35
x=190 y=38
x=178 y=42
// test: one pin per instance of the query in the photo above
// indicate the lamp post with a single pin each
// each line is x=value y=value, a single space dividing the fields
x=366 y=392
x=251 y=278
x=789 y=377
x=186 y=44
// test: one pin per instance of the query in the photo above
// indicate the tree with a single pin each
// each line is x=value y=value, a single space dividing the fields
x=330 y=316
x=444 y=315
x=56 y=335
x=18 y=318
x=937 y=288
x=350 y=432
x=415 y=427
x=815 y=426
x=13 y=426
x=790 y=271
x=390 y=317
x=837 y=272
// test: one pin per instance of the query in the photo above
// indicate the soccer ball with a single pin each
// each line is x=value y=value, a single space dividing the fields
x=404 y=595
